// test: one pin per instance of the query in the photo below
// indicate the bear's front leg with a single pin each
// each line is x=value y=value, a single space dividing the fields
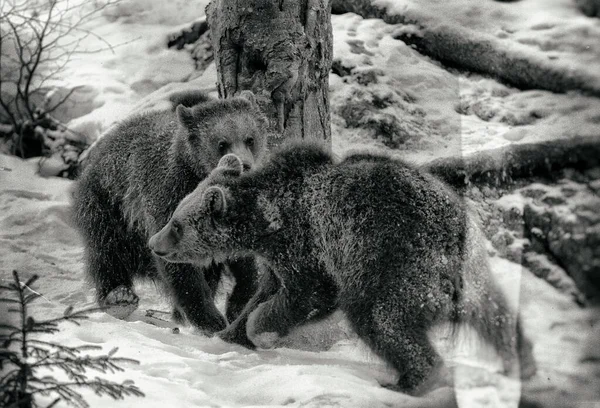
x=256 y=331
x=236 y=331
x=302 y=298
x=192 y=295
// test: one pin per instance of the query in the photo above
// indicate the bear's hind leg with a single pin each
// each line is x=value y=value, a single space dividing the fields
x=405 y=346
x=394 y=319
x=268 y=286
x=306 y=294
x=212 y=276
x=112 y=256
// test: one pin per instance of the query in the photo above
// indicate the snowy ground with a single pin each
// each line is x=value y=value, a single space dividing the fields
x=442 y=111
x=189 y=369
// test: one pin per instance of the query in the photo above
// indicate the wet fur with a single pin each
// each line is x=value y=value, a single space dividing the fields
x=136 y=176
x=390 y=245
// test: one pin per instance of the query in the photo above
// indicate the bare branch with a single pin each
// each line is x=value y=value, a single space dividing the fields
x=43 y=45
x=20 y=53
x=38 y=54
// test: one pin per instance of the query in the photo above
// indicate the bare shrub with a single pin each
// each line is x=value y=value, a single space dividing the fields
x=37 y=41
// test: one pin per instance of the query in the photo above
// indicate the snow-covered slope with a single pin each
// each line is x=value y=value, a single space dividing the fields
x=431 y=111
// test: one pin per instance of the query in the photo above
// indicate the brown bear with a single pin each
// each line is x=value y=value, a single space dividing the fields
x=188 y=98
x=134 y=179
x=385 y=242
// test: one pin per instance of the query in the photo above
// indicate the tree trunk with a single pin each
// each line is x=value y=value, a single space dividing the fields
x=280 y=50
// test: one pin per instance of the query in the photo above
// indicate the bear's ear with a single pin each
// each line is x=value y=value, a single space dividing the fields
x=232 y=164
x=185 y=116
x=250 y=97
x=262 y=120
x=214 y=200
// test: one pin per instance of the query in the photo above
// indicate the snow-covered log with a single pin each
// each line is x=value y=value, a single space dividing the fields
x=477 y=51
x=502 y=165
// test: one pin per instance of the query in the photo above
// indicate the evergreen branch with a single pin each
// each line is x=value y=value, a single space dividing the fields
x=8 y=326
x=13 y=358
x=53 y=403
x=5 y=380
x=65 y=348
x=14 y=336
x=70 y=396
x=19 y=386
x=31 y=297
x=80 y=364
x=98 y=385
x=31 y=281
x=5 y=300
x=73 y=316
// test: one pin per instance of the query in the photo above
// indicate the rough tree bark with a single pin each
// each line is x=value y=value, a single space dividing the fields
x=281 y=50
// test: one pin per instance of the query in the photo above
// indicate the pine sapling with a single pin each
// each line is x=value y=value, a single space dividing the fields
x=23 y=355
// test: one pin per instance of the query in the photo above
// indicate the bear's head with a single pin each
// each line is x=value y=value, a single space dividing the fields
x=219 y=218
x=215 y=128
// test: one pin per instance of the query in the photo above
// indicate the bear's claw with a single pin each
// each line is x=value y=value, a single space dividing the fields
x=120 y=302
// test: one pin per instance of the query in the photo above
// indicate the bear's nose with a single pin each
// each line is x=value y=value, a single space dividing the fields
x=155 y=246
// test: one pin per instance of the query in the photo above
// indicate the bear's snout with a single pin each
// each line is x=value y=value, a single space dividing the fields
x=165 y=241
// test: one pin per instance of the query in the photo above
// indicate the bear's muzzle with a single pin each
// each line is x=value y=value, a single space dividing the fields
x=164 y=242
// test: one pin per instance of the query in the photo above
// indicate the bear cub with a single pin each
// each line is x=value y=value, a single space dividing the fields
x=385 y=242
x=136 y=176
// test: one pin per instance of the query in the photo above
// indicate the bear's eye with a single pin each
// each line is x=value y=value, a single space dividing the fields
x=250 y=142
x=176 y=228
x=223 y=145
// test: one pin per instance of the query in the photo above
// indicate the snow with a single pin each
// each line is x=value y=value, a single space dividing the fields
x=131 y=61
x=447 y=112
x=322 y=364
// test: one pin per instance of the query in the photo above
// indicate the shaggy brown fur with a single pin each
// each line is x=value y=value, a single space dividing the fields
x=136 y=176
x=390 y=245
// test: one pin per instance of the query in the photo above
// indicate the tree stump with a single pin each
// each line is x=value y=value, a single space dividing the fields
x=281 y=51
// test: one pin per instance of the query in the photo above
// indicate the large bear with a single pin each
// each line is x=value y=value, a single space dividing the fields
x=388 y=244
x=135 y=177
